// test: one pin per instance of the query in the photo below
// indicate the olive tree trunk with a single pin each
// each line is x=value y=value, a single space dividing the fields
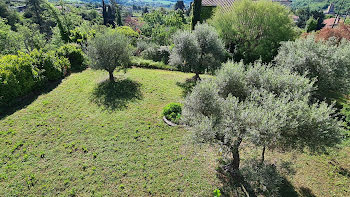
x=235 y=155
x=111 y=77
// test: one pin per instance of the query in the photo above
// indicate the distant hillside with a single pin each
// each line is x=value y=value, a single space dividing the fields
x=342 y=5
x=153 y=3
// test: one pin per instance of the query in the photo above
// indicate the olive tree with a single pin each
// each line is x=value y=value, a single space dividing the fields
x=326 y=62
x=261 y=105
x=200 y=51
x=109 y=50
x=254 y=29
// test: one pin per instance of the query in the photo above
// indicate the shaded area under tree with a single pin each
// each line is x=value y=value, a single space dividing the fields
x=116 y=95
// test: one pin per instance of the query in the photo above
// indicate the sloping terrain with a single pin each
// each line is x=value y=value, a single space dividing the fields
x=86 y=137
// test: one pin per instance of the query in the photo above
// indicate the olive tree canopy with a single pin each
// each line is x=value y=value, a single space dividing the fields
x=109 y=50
x=263 y=105
x=327 y=62
x=200 y=51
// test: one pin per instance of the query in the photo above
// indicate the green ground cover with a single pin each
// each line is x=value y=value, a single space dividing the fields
x=87 y=137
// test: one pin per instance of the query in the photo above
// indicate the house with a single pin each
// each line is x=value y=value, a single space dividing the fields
x=331 y=22
x=284 y=2
x=208 y=6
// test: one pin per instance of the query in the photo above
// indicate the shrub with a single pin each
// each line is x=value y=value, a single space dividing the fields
x=139 y=62
x=325 y=61
x=340 y=32
x=17 y=77
x=50 y=65
x=156 y=53
x=75 y=56
x=142 y=46
x=173 y=112
x=23 y=73
x=127 y=31
x=311 y=24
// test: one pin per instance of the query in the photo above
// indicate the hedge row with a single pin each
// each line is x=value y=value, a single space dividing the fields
x=24 y=73
x=143 y=63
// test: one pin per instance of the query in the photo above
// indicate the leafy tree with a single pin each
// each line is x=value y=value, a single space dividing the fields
x=111 y=13
x=259 y=105
x=10 y=41
x=305 y=14
x=109 y=50
x=186 y=52
x=90 y=15
x=145 y=10
x=31 y=37
x=254 y=29
x=81 y=34
x=325 y=61
x=179 y=5
x=199 y=51
x=61 y=24
x=37 y=11
x=11 y=16
x=160 y=26
x=347 y=21
x=311 y=24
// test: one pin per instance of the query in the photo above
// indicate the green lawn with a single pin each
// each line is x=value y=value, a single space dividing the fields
x=87 y=137
x=82 y=138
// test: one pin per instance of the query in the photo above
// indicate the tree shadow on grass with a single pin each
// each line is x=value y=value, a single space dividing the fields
x=187 y=86
x=257 y=180
x=116 y=95
x=22 y=102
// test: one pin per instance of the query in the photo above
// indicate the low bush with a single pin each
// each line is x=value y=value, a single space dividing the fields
x=75 y=56
x=340 y=32
x=140 y=62
x=51 y=66
x=17 y=77
x=157 y=53
x=141 y=46
x=23 y=73
x=173 y=112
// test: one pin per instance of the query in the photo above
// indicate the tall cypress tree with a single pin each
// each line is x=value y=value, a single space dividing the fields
x=196 y=15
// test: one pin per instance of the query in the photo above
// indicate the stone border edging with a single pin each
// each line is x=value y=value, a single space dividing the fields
x=168 y=122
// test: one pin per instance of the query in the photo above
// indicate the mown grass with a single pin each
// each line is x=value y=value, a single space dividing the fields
x=88 y=137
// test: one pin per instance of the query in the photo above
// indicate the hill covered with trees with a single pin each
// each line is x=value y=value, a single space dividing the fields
x=340 y=5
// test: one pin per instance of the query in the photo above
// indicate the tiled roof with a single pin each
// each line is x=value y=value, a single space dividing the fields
x=228 y=3
x=221 y=3
x=329 y=22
